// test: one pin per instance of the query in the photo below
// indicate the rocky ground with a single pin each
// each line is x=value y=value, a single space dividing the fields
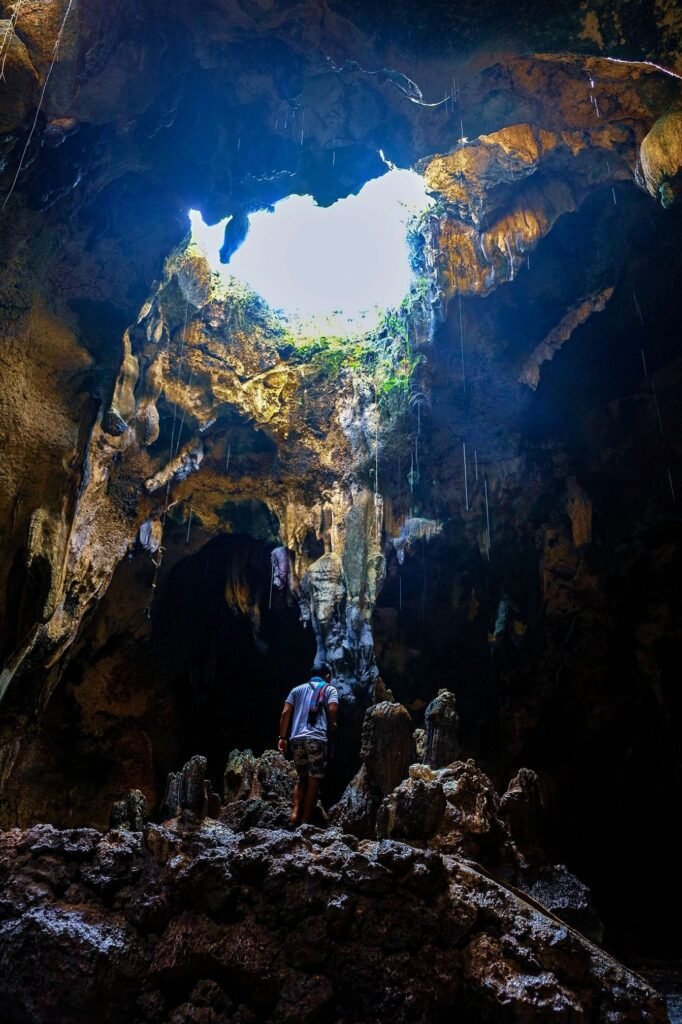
x=191 y=921
x=225 y=913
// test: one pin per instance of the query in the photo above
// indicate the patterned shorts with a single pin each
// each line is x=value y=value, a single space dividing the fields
x=310 y=758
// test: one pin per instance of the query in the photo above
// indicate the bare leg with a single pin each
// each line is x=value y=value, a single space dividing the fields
x=310 y=801
x=299 y=793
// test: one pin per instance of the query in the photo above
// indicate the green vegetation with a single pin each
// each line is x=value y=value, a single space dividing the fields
x=384 y=356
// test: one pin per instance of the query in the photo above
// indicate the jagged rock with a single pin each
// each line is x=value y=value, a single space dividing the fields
x=273 y=926
x=356 y=811
x=660 y=157
x=414 y=810
x=387 y=745
x=441 y=744
x=258 y=790
x=557 y=889
x=413 y=530
x=240 y=772
x=189 y=790
x=381 y=692
x=268 y=777
x=456 y=808
x=386 y=752
x=521 y=809
x=131 y=812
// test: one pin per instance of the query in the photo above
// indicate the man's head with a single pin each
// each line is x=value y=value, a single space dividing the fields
x=323 y=671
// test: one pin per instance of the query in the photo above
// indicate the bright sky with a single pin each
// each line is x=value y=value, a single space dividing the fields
x=335 y=268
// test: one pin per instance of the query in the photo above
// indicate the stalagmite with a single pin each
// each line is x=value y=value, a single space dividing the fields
x=387 y=751
x=521 y=809
x=190 y=790
x=129 y=813
x=441 y=745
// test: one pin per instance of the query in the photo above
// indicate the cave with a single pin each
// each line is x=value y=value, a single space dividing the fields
x=435 y=458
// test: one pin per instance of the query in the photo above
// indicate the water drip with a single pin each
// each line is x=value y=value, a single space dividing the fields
x=461 y=340
x=672 y=486
x=487 y=517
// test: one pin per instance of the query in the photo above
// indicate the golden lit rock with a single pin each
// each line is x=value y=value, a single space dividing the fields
x=660 y=156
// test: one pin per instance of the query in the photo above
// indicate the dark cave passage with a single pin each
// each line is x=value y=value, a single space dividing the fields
x=235 y=662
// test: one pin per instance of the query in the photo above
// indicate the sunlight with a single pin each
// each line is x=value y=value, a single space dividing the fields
x=328 y=270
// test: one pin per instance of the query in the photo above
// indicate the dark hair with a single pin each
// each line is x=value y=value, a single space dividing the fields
x=322 y=670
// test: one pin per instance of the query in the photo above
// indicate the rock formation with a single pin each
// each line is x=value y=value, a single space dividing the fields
x=481 y=496
x=180 y=924
x=441 y=742
x=386 y=752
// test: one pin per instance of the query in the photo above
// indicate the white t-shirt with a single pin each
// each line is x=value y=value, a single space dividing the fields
x=300 y=698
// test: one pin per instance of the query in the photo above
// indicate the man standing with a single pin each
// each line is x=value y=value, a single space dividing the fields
x=309 y=718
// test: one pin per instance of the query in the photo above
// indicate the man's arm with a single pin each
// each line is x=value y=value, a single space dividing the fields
x=284 y=723
x=332 y=712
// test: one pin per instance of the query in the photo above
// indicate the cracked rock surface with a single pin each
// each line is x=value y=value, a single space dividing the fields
x=189 y=922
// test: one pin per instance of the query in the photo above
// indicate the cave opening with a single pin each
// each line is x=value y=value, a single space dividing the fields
x=326 y=269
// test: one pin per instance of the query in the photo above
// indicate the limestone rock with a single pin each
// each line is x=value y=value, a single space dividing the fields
x=258 y=790
x=441 y=743
x=387 y=745
x=386 y=752
x=270 y=776
x=560 y=334
x=214 y=908
x=412 y=531
x=130 y=812
x=522 y=811
x=19 y=78
x=189 y=790
x=456 y=806
x=660 y=157
x=356 y=811
x=414 y=810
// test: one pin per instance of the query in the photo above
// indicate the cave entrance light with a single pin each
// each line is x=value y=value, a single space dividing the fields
x=327 y=270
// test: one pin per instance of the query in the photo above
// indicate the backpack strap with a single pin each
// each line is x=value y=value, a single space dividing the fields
x=317 y=701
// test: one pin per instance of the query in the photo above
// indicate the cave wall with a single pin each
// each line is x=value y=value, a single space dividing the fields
x=137 y=395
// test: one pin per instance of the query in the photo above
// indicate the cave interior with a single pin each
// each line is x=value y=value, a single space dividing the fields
x=481 y=494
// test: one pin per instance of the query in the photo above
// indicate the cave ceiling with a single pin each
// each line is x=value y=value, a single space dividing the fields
x=146 y=408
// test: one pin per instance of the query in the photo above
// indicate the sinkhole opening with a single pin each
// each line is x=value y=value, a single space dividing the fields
x=327 y=270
